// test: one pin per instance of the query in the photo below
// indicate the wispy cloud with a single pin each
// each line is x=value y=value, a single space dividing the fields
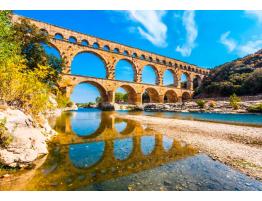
x=191 y=33
x=150 y=25
x=228 y=42
x=257 y=14
x=249 y=47
x=241 y=49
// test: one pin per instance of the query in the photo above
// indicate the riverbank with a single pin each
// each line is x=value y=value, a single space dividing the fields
x=207 y=106
x=237 y=146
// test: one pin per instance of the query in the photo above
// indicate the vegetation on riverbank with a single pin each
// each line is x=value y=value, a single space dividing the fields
x=28 y=75
x=242 y=77
x=255 y=108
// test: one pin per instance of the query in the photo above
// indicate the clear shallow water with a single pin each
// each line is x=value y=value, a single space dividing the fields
x=246 y=119
x=96 y=151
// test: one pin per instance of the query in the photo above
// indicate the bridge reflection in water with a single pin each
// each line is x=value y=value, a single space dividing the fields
x=96 y=146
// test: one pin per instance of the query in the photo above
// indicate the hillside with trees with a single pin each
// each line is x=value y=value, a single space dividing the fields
x=242 y=76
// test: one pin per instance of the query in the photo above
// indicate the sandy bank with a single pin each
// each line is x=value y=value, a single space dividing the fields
x=237 y=146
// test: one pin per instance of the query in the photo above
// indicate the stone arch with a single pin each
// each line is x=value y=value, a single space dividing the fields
x=131 y=93
x=106 y=48
x=126 y=53
x=186 y=96
x=187 y=83
x=174 y=75
x=143 y=57
x=96 y=45
x=133 y=68
x=148 y=144
x=55 y=47
x=44 y=32
x=58 y=36
x=134 y=55
x=84 y=42
x=116 y=50
x=197 y=81
x=72 y=39
x=150 y=58
x=100 y=88
x=170 y=96
x=153 y=95
x=156 y=73
x=128 y=144
x=103 y=60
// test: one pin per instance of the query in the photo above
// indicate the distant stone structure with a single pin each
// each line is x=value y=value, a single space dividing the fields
x=71 y=43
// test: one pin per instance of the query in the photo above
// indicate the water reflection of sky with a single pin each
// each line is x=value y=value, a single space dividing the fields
x=86 y=155
x=147 y=144
x=85 y=122
x=167 y=142
x=123 y=148
x=120 y=126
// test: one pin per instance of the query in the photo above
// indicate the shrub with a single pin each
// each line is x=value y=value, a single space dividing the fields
x=212 y=104
x=255 y=108
x=62 y=100
x=201 y=103
x=234 y=101
x=5 y=137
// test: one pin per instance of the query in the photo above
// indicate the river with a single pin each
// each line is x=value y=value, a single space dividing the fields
x=95 y=150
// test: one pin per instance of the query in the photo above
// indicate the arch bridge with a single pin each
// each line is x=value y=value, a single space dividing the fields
x=71 y=43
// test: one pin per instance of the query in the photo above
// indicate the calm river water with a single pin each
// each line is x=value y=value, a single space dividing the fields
x=96 y=151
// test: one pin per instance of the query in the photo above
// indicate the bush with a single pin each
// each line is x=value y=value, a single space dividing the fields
x=255 y=108
x=62 y=100
x=201 y=103
x=234 y=101
x=212 y=104
x=5 y=137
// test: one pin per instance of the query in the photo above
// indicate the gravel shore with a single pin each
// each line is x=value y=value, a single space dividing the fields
x=237 y=146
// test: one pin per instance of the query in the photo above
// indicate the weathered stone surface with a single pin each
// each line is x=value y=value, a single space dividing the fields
x=29 y=140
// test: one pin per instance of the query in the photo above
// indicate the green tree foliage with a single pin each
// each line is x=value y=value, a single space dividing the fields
x=201 y=103
x=121 y=97
x=255 y=108
x=242 y=77
x=234 y=101
x=22 y=84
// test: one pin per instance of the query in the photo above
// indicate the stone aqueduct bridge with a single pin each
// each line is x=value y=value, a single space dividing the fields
x=72 y=43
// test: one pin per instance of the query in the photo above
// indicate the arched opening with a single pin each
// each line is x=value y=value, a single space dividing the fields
x=54 y=58
x=186 y=96
x=147 y=144
x=134 y=55
x=149 y=75
x=44 y=32
x=120 y=125
x=169 y=78
x=88 y=64
x=84 y=42
x=123 y=148
x=170 y=97
x=85 y=123
x=150 y=95
x=106 y=48
x=96 y=46
x=167 y=143
x=150 y=58
x=196 y=81
x=88 y=94
x=116 y=50
x=72 y=39
x=58 y=36
x=143 y=57
x=125 y=71
x=185 y=81
x=86 y=155
x=125 y=95
x=125 y=53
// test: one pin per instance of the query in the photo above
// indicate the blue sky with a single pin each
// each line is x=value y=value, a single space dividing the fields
x=204 y=38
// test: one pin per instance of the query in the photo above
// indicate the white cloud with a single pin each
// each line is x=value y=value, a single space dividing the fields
x=241 y=49
x=228 y=42
x=150 y=26
x=257 y=14
x=249 y=47
x=191 y=33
